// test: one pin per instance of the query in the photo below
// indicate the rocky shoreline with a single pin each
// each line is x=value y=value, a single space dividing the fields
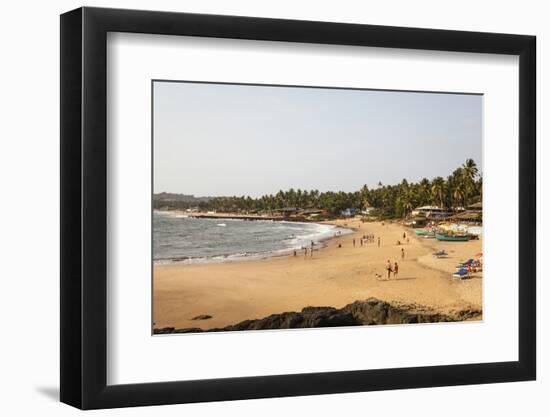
x=371 y=311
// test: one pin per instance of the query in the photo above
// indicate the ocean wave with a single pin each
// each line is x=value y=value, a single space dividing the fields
x=196 y=240
x=322 y=235
x=235 y=257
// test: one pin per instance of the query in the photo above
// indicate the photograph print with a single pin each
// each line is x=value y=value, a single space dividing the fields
x=292 y=207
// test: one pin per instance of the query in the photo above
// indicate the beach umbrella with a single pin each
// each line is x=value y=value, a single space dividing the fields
x=479 y=255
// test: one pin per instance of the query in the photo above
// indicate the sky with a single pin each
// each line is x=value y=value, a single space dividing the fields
x=223 y=139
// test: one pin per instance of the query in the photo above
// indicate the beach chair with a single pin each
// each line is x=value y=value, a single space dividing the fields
x=440 y=253
x=461 y=273
x=465 y=263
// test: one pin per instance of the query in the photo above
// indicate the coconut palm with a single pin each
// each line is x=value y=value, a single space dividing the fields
x=469 y=174
x=438 y=189
x=463 y=186
x=458 y=195
x=470 y=169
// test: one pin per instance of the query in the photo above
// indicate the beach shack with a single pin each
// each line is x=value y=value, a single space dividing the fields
x=476 y=207
x=472 y=215
x=417 y=221
x=467 y=216
x=431 y=212
x=286 y=212
x=367 y=210
x=349 y=212
x=312 y=213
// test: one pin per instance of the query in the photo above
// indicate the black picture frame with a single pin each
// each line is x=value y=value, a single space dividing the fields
x=84 y=207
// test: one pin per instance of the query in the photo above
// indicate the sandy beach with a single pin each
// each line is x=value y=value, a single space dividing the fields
x=335 y=276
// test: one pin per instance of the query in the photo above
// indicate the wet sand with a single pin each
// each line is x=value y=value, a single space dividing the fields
x=335 y=276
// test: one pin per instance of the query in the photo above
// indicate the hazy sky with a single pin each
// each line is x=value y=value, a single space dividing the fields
x=214 y=139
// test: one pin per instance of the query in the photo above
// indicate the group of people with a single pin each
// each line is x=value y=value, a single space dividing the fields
x=392 y=269
x=368 y=238
x=395 y=267
x=307 y=250
x=364 y=239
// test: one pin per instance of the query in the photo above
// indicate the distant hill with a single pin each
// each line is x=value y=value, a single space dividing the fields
x=172 y=201
x=185 y=198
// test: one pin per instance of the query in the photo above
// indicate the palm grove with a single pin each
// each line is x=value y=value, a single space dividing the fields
x=459 y=189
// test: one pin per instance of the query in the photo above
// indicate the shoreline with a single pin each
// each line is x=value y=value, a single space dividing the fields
x=320 y=243
x=336 y=275
x=236 y=216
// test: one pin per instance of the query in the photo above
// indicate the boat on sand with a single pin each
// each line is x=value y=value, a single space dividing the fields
x=424 y=232
x=452 y=237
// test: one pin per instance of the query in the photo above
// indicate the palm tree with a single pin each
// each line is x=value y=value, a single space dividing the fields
x=408 y=202
x=479 y=187
x=463 y=186
x=458 y=195
x=469 y=174
x=438 y=185
x=424 y=191
x=470 y=168
x=364 y=196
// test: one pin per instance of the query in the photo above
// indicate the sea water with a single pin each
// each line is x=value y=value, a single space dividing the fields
x=179 y=238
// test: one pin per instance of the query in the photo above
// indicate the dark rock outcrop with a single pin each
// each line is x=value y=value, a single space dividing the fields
x=202 y=317
x=365 y=312
x=373 y=311
x=308 y=317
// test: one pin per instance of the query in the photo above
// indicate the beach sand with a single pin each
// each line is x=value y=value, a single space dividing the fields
x=235 y=291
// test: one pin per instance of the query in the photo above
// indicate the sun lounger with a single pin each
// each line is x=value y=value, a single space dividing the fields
x=468 y=262
x=461 y=273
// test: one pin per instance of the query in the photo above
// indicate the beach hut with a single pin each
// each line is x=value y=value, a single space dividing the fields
x=476 y=207
x=348 y=212
x=468 y=216
x=286 y=212
x=367 y=210
x=431 y=212
x=416 y=222
x=312 y=213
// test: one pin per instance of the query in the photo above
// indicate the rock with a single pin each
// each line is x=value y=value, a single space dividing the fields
x=188 y=330
x=364 y=312
x=164 y=330
x=202 y=317
x=374 y=311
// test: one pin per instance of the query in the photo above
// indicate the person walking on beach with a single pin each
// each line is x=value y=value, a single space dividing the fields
x=402 y=253
x=395 y=269
x=305 y=251
x=353 y=242
x=361 y=240
x=379 y=242
x=404 y=235
x=388 y=268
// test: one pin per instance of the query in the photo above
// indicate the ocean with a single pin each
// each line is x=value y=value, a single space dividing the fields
x=178 y=238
